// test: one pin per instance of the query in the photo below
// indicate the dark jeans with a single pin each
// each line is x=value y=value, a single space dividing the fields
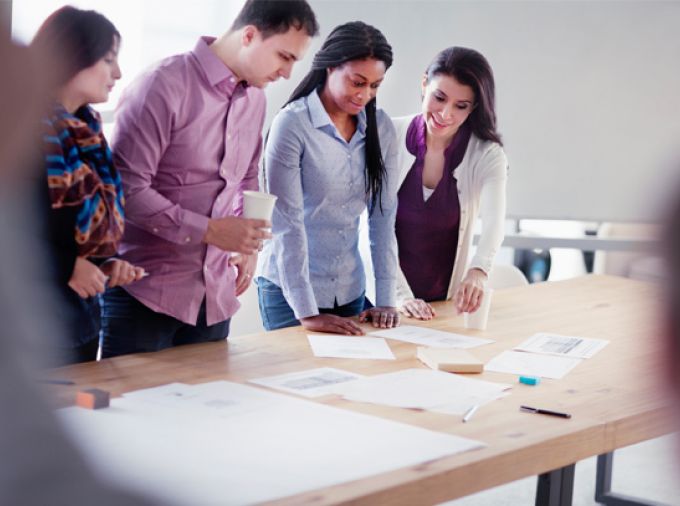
x=128 y=326
x=276 y=313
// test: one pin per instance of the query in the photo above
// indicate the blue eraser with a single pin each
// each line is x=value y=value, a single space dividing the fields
x=530 y=380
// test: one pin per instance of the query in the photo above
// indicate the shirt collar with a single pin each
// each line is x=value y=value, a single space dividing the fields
x=216 y=72
x=320 y=118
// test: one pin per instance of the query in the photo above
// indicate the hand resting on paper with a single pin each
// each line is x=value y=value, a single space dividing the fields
x=382 y=317
x=331 y=323
x=417 y=308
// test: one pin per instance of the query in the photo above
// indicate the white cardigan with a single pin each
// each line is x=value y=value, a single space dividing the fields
x=481 y=180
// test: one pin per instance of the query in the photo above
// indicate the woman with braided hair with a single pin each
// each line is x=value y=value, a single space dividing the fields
x=331 y=153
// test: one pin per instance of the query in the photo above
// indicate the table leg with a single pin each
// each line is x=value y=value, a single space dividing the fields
x=556 y=488
x=603 y=486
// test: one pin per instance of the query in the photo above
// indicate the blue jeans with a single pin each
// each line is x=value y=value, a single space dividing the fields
x=276 y=313
x=128 y=326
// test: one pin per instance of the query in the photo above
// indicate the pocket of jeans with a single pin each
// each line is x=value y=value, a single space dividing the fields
x=267 y=286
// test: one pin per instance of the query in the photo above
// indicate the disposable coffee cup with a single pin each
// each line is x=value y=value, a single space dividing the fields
x=479 y=318
x=258 y=205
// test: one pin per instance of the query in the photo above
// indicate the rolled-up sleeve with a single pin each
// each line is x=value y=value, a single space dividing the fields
x=144 y=122
x=382 y=236
x=284 y=176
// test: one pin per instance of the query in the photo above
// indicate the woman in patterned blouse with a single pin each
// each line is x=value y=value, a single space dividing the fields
x=86 y=217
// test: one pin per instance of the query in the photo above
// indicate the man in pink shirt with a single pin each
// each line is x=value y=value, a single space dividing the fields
x=187 y=142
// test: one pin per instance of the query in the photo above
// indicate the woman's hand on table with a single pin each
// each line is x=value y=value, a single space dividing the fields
x=468 y=296
x=384 y=317
x=331 y=323
x=417 y=308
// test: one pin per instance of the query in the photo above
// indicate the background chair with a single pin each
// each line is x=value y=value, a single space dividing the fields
x=506 y=276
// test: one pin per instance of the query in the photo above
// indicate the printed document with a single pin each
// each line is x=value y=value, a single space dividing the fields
x=564 y=346
x=309 y=383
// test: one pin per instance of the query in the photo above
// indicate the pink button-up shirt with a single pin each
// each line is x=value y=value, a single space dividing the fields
x=187 y=142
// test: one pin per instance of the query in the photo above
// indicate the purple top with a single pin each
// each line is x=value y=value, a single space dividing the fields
x=427 y=231
x=187 y=143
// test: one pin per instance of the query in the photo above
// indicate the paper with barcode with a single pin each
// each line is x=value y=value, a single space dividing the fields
x=308 y=383
x=563 y=346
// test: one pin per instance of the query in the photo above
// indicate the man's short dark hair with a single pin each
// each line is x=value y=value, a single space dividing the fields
x=272 y=17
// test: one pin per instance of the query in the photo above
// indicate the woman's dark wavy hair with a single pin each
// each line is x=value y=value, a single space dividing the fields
x=469 y=67
x=353 y=41
x=75 y=39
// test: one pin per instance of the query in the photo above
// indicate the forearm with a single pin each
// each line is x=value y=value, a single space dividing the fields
x=151 y=211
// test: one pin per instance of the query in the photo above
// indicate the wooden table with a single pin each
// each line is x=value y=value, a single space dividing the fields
x=617 y=398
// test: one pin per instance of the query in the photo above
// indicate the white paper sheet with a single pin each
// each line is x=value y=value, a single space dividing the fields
x=431 y=337
x=532 y=364
x=207 y=399
x=309 y=383
x=423 y=389
x=334 y=346
x=564 y=346
x=189 y=455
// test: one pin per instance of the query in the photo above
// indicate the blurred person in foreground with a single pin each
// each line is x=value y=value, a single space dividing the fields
x=38 y=464
x=672 y=253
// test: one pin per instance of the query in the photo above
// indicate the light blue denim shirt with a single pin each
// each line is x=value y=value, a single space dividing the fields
x=319 y=179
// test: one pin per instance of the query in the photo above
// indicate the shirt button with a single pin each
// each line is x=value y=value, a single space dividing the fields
x=228 y=137
x=223 y=172
x=232 y=79
x=187 y=239
x=349 y=157
x=155 y=230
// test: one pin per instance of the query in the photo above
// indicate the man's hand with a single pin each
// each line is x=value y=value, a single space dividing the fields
x=121 y=272
x=245 y=267
x=239 y=235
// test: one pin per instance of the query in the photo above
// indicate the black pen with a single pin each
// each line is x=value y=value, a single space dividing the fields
x=541 y=411
x=56 y=381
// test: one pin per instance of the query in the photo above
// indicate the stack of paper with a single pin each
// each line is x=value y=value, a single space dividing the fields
x=449 y=360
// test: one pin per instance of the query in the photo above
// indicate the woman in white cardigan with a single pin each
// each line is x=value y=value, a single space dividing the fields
x=453 y=170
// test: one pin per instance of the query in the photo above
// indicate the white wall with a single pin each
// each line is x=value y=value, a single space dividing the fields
x=587 y=92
